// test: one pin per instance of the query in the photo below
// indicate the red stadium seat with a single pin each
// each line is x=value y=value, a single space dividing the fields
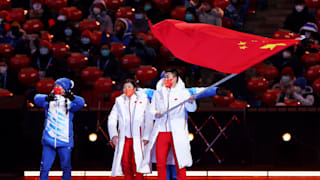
x=77 y=60
x=19 y=61
x=257 y=84
x=45 y=85
x=270 y=97
x=28 y=76
x=125 y=12
x=60 y=50
x=223 y=101
x=32 y=26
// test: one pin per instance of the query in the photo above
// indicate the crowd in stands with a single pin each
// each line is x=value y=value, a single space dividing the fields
x=113 y=39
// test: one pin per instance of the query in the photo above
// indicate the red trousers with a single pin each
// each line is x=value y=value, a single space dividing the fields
x=128 y=162
x=164 y=142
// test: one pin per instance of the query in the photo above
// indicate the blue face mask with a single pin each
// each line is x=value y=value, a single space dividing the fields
x=188 y=17
x=138 y=16
x=147 y=7
x=105 y=52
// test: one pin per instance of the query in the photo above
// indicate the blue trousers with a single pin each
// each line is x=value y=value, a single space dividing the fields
x=171 y=172
x=48 y=157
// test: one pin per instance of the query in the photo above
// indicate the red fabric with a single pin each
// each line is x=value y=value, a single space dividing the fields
x=216 y=47
x=164 y=142
x=128 y=162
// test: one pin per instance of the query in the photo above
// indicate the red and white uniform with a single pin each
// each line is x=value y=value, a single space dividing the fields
x=171 y=130
x=130 y=114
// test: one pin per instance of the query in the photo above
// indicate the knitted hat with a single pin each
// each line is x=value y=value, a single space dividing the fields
x=65 y=83
x=309 y=26
x=300 y=81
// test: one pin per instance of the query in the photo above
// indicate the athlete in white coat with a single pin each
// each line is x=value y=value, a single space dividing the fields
x=170 y=130
x=134 y=127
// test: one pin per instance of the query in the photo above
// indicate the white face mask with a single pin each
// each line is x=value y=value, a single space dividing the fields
x=299 y=8
x=286 y=54
x=62 y=18
x=85 y=40
x=297 y=89
x=96 y=10
x=3 y=69
x=44 y=51
x=36 y=6
x=68 y=32
x=285 y=79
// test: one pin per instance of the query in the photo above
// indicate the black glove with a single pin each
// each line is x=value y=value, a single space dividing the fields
x=222 y=92
x=50 y=97
x=69 y=95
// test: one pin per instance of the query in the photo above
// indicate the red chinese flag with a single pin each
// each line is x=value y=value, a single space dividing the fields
x=216 y=47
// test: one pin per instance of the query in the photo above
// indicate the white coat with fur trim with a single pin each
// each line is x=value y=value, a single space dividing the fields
x=176 y=119
x=137 y=105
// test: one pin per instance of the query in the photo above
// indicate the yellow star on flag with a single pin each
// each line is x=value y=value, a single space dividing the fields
x=242 y=43
x=243 y=47
x=272 y=46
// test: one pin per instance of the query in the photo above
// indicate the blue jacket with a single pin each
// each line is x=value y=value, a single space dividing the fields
x=58 y=126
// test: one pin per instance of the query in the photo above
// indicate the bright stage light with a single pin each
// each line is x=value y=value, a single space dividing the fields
x=286 y=137
x=93 y=137
x=191 y=137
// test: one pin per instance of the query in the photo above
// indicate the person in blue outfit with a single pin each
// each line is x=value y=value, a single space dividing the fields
x=59 y=106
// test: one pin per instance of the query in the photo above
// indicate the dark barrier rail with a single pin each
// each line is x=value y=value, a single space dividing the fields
x=253 y=143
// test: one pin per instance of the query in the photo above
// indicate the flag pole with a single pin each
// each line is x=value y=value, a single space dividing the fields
x=203 y=91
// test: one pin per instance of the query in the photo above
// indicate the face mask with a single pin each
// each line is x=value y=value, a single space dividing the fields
x=285 y=79
x=188 y=17
x=68 y=32
x=85 y=40
x=44 y=51
x=147 y=7
x=297 y=89
x=128 y=92
x=299 y=8
x=96 y=10
x=138 y=16
x=286 y=54
x=105 y=52
x=36 y=6
x=3 y=69
x=168 y=83
x=307 y=34
x=62 y=18
x=57 y=91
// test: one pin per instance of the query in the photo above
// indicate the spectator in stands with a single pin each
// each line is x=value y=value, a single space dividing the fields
x=145 y=53
x=302 y=92
x=37 y=10
x=140 y=22
x=299 y=16
x=14 y=35
x=287 y=78
x=43 y=60
x=57 y=30
x=3 y=75
x=86 y=47
x=210 y=15
x=98 y=11
x=71 y=37
x=107 y=63
x=154 y=13
x=297 y=91
x=122 y=32
x=191 y=15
